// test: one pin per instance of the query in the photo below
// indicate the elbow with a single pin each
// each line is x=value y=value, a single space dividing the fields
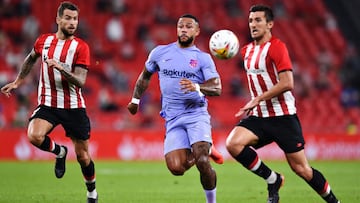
x=286 y=85
x=218 y=92
x=290 y=85
x=215 y=92
x=81 y=84
x=218 y=89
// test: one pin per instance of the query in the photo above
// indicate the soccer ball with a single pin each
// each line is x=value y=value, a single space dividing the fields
x=224 y=44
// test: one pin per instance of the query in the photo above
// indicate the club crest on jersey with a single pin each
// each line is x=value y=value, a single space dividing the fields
x=193 y=63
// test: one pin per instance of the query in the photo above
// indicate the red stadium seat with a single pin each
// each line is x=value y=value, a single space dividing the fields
x=302 y=36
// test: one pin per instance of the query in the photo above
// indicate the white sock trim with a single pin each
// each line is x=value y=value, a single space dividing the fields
x=53 y=146
x=327 y=191
x=92 y=194
x=62 y=152
x=272 y=178
x=90 y=181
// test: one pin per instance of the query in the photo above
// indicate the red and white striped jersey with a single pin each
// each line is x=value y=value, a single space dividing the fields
x=263 y=64
x=54 y=90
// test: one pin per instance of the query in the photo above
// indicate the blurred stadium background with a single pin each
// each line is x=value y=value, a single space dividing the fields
x=322 y=38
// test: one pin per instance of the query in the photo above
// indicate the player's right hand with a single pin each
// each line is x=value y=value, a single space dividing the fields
x=248 y=107
x=133 y=108
x=8 y=87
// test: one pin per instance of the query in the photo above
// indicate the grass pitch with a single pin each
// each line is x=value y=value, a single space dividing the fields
x=150 y=182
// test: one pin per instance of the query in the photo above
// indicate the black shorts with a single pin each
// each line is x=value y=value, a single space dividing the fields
x=75 y=122
x=285 y=131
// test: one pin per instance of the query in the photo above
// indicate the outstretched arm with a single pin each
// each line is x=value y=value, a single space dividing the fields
x=141 y=85
x=211 y=87
x=25 y=69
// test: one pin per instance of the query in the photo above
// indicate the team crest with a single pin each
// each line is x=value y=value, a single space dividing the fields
x=193 y=63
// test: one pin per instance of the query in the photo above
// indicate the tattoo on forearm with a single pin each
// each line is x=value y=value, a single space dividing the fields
x=211 y=90
x=140 y=88
x=26 y=67
x=142 y=83
x=212 y=87
x=70 y=78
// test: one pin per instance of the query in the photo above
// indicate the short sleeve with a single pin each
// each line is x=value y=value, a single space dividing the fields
x=209 y=68
x=280 y=56
x=83 y=55
x=150 y=63
x=39 y=42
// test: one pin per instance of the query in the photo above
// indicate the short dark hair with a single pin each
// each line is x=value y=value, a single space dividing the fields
x=66 y=5
x=190 y=16
x=269 y=15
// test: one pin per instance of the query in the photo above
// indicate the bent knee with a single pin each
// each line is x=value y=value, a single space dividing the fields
x=203 y=163
x=229 y=143
x=35 y=138
x=238 y=139
x=83 y=158
x=302 y=171
x=234 y=146
x=177 y=171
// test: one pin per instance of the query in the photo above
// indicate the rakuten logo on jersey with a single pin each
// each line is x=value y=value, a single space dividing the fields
x=178 y=74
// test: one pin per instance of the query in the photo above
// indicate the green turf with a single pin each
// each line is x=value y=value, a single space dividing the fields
x=28 y=182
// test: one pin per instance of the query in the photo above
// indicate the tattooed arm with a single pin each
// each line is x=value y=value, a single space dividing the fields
x=141 y=85
x=24 y=71
x=78 y=77
x=211 y=87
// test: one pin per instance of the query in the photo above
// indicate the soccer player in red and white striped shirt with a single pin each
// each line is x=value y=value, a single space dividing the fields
x=64 y=66
x=271 y=111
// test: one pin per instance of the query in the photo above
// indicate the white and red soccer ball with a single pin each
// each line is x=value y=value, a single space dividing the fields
x=224 y=44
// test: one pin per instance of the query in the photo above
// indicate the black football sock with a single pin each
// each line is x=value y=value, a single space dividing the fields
x=321 y=186
x=49 y=146
x=250 y=160
x=89 y=176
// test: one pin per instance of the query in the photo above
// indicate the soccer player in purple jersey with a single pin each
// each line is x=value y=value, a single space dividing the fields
x=186 y=76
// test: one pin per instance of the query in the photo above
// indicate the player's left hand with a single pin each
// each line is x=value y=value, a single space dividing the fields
x=187 y=85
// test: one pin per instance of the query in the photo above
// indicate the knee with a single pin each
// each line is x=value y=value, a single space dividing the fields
x=302 y=171
x=176 y=169
x=233 y=146
x=229 y=144
x=83 y=158
x=35 y=138
x=202 y=163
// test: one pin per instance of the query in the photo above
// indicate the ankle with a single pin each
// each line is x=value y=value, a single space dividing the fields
x=93 y=194
x=61 y=153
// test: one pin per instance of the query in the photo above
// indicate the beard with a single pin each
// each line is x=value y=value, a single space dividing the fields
x=187 y=42
x=66 y=32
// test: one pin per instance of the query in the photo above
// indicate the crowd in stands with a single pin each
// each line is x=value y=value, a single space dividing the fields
x=121 y=33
